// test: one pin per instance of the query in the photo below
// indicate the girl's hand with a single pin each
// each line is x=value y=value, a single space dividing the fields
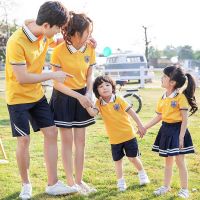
x=142 y=130
x=85 y=101
x=181 y=142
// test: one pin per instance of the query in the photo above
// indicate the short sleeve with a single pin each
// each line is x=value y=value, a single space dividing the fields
x=93 y=57
x=125 y=105
x=183 y=102
x=15 y=53
x=55 y=62
x=159 y=107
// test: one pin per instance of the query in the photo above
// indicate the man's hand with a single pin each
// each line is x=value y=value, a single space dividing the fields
x=93 y=42
x=61 y=76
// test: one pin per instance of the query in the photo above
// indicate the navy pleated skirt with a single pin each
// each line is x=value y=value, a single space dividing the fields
x=167 y=140
x=68 y=112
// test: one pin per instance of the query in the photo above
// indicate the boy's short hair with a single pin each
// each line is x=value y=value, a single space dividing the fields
x=53 y=13
x=99 y=80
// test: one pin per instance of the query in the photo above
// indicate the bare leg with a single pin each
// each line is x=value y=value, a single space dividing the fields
x=168 y=170
x=67 y=143
x=51 y=153
x=119 y=169
x=79 y=141
x=136 y=162
x=23 y=158
x=183 y=173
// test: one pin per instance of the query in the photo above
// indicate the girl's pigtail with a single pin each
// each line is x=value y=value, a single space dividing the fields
x=189 y=93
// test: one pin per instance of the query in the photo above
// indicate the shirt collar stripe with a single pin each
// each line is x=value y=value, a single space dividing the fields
x=28 y=33
x=72 y=49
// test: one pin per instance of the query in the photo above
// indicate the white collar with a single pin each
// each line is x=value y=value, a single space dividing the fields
x=28 y=33
x=72 y=49
x=112 y=99
x=172 y=95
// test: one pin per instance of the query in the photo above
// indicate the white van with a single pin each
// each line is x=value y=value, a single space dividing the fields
x=127 y=66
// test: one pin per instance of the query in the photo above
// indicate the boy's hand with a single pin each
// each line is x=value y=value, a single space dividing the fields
x=142 y=130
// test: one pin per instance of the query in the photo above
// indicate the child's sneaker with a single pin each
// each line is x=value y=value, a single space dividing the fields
x=183 y=193
x=144 y=179
x=26 y=192
x=60 y=189
x=121 y=185
x=161 y=190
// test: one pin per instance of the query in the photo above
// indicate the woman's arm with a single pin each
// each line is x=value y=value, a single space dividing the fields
x=184 y=114
x=89 y=82
x=154 y=121
x=92 y=111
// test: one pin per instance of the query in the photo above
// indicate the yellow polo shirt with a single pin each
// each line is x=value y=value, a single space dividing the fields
x=116 y=119
x=170 y=107
x=23 y=48
x=74 y=62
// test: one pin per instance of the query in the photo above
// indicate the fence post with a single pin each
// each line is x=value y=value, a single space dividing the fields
x=142 y=78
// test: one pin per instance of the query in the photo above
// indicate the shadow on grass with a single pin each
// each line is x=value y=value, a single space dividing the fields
x=4 y=122
x=12 y=196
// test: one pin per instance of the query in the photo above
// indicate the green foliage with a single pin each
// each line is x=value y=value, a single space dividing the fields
x=154 y=53
x=185 y=52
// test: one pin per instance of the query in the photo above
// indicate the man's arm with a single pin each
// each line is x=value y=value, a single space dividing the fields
x=24 y=77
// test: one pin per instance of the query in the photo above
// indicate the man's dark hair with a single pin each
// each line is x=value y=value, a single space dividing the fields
x=53 y=13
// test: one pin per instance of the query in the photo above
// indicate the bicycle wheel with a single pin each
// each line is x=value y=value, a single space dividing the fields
x=135 y=101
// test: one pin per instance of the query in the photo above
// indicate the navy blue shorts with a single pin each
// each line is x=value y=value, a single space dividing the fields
x=130 y=148
x=167 y=140
x=68 y=112
x=38 y=114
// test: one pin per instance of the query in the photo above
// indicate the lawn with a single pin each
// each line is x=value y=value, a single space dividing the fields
x=99 y=168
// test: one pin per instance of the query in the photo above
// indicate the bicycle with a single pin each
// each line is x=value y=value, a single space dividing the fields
x=131 y=96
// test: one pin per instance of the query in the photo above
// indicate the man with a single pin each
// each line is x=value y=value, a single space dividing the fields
x=25 y=57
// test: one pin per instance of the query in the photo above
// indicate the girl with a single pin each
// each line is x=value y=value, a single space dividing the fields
x=115 y=113
x=173 y=139
x=70 y=99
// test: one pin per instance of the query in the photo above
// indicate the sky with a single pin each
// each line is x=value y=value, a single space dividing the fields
x=119 y=23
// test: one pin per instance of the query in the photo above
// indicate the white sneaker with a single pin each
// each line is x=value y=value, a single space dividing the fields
x=143 y=178
x=85 y=189
x=121 y=185
x=161 y=190
x=60 y=189
x=26 y=192
x=183 y=193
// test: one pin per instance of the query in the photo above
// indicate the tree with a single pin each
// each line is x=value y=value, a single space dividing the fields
x=154 y=53
x=185 y=52
x=196 y=55
x=170 y=51
x=6 y=28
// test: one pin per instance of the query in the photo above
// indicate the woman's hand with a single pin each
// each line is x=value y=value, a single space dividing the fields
x=85 y=101
x=181 y=142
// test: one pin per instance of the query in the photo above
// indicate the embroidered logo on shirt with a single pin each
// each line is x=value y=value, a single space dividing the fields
x=87 y=59
x=116 y=107
x=173 y=104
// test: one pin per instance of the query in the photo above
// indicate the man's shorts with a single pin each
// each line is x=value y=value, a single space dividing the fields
x=38 y=114
x=128 y=148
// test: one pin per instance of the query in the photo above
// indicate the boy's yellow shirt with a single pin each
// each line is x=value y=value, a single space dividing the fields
x=74 y=62
x=116 y=119
x=170 y=107
x=23 y=48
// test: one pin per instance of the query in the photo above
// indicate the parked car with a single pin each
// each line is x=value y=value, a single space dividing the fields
x=127 y=66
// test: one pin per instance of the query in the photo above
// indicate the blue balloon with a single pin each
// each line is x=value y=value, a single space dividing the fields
x=107 y=51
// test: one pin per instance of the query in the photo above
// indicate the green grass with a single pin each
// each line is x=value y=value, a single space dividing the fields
x=99 y=168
